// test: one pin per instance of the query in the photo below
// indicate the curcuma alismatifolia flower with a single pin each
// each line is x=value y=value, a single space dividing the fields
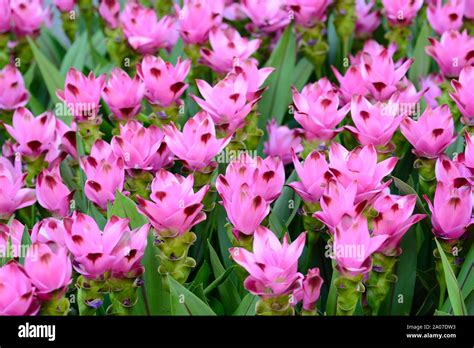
x=52 y=193
x=282 y=141
x=254 y=76
x=11 y=232
x=197 y=144
x=368 y=17
x=308 y=12
x=13 y=93
x=444 y=17
x=28 y=16
x=49 y=231
x=5 y=16
x=268 y=16
x=65 y=5
x=401 y=12
x=463 y=94
x=351 y=83
x=109 y=10
x=311 y=290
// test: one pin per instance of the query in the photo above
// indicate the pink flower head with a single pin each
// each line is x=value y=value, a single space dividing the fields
x=446 y=17
x=17 y=294
x=372 y=48
x=368 y=18
x=317 y=110
x=12 y=195
x=197 y=144
x=281 y=141
x=268 y=16
x=308 y=12
x=374 y=124
x=49 y=231
x=432 y=133
x=13 y=93
x=311 y=289
x=380 y=74
x=401 y=12
x=94 y=250
x=273 y=266
x=50 y=271
x=227 y=45
x=105 y=174
x=11 y=232
x=123 y=94
x=254 y=76
x=450 y=172
x=469 y=152
x=226 y=102
x=394 y=219
x=197 y=18
x=453 y=52
x=35 y=135
x=28 y=16
x=451 y=210
x=164 y=83
x=431 y=84
x=109 y=10
x=65 y=5
x=463 y=93
x=144 y=33
x=262 y=177
x=82 y=94
x=314 y=175
x=353 y=245
x=175 y=207
x=360 y=165
x=140 y=147
x=51 y=192
x=351 y=83
x=469 y=9
x=5 y=16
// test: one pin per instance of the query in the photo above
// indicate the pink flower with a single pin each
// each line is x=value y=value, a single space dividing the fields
x=374 y=124
x=82 y=94
x=141 y=148
x=12 y=195
x=353 y=245
x=197 y=18
x=311 y=289
x=394 y=219
x=468 y=158
x=50 y=271
x=308 y=12
x=314 y=176
x=317 y=110
x=16 y=291
x=351 y=83
x=469 y=9
x=432 y=133
x=109 y=10
x=175 y=208
x=49 y=231
x=401 y=12
x=268 y=16
x=65 y=5
x=94 y=250
x=452 y=209
x=338 y=201
x=197 y=144
x=5 y=16
x=367 y=21
x=11 y=232
x=13 y=93
x=52 y=194
x=254 y=76
x=273 y=267
x=164 y=83
x=380 y=74
x=105 y=174
x=35 y=136
x=226 y=102
x=431 y=83
x=451 y=172
x=28 y=16
x=360 y=165
x=453 y=52
x=123 y=95
x=373 y=48
x=281 y=141
x=227 y=45
x=463 y=94
x=144 y=33
x=446 y=17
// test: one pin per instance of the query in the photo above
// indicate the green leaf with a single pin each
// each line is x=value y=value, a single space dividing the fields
x=184 y=302
x=76 y=55
x=218 y=281
x=302 y=72
x=274 y=103
x=25 y=243
x=124 y=207
x=406 y=189
x=247 y=306
x=421 y=64
x=332 y=296
x=454 y=293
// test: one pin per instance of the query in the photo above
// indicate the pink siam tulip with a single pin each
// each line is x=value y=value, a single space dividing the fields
x=432 y=133
x=17 y=294
x=109 y=10
x=227 y=45
x=372 y=48
x=368 y=18
x=175 y=207
x=123 y=94
x=468 y=155
x=196 y=145
x=105 y=174
x=254 y=76
x=311 y=290
x=448 y=16
x=28 y=16
x=11 y=232
x=268 y=16
x=12 y=195
x=453 y=47
x=197 y=18
x=469 y=10
x=52 y=194
x=49 y=231
x=463 y=94
x=282 y=141
x=308 y=12
x=401 y=12
x=451 y=172
x=164 y=83
x=351 y=83
x=5 y=16
x=374 y=124
x=65 y=5
x=431 y=84
x=13 y=93
x=141 y=148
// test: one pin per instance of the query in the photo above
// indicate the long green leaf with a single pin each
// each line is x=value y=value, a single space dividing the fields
x=247 y=306
x=184 y=302
x=76 y=55
x=421 y=62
